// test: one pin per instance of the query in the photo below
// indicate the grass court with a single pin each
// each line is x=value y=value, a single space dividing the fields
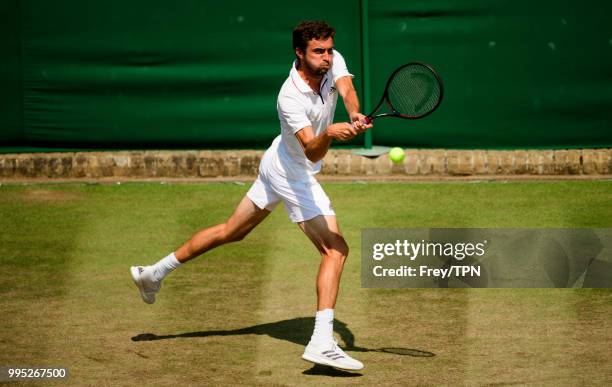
x=242 y=313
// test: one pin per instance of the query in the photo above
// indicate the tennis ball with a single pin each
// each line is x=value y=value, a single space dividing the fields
x=397 y=155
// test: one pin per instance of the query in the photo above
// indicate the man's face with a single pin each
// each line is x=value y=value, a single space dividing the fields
x=318 y=57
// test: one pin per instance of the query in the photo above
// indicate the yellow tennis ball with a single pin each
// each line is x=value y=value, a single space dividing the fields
x=397 y=155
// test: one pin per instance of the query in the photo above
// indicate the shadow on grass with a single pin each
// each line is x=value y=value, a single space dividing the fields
x=318 y=369
x=296 y=330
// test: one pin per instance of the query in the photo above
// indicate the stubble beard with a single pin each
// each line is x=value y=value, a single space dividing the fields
x=319 y=71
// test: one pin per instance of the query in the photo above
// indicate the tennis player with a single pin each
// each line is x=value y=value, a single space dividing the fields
x=306 y=105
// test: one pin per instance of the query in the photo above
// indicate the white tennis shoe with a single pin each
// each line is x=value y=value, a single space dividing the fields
x=331 y=355
x=145 y=281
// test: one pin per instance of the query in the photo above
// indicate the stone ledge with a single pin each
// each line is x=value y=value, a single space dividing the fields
x=212 y=164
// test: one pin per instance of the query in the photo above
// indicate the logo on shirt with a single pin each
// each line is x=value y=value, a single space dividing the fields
x=332 y=90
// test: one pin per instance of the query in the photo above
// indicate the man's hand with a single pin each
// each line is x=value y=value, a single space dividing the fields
x=360 y=122
x=342 y=131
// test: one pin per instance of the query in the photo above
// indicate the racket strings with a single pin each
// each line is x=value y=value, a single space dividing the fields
x=414 y=91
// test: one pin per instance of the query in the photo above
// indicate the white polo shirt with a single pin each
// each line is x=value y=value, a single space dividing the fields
x=298 y=107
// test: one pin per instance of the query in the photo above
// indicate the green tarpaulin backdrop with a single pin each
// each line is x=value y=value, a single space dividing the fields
x=204 y=74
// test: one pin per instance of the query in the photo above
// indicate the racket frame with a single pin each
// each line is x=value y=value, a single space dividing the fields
x=395 y=113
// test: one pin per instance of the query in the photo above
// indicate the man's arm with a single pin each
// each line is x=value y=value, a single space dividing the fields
x=315 y=148
x=349 y=94
x=351 y=102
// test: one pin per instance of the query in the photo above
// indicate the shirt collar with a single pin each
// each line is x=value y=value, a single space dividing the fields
x=300 y=84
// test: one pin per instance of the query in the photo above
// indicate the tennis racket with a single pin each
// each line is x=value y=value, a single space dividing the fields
x=414 y=90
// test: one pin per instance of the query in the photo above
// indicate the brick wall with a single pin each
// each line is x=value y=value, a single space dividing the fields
x=147 y=164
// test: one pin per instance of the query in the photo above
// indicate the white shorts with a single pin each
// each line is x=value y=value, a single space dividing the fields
x=303 y=200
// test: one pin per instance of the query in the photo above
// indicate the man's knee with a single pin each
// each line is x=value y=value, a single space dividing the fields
x=339 y=251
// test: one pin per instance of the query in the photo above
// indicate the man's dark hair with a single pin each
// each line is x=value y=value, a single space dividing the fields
x=309 y=30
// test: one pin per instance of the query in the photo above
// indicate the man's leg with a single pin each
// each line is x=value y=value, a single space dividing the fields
x=244 y=219
x=246 y=216
x=324 y=232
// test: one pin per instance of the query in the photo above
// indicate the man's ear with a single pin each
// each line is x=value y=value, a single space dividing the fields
x=299 y=53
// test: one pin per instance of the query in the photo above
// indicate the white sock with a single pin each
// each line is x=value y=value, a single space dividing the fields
x=165 y=266
x=324 y=326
